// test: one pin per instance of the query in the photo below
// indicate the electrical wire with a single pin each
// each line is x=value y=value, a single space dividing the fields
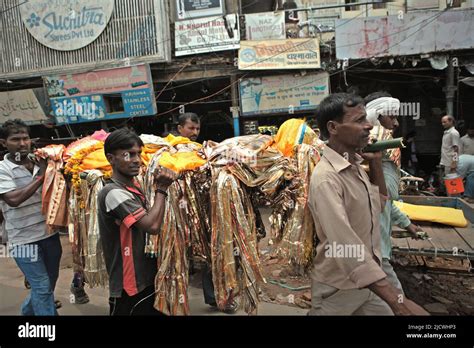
x=358 y=63
x=227 y=87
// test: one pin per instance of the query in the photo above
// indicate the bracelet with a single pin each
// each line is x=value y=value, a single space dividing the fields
x=164 y=193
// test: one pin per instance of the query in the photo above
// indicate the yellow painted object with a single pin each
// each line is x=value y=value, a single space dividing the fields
x=442 y=215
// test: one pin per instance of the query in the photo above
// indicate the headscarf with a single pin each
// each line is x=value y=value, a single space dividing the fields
x=385 y=106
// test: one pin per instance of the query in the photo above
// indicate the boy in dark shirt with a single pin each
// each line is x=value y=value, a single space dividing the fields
x=124 y=220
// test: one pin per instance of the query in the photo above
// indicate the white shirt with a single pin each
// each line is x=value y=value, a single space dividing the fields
x=450 y=139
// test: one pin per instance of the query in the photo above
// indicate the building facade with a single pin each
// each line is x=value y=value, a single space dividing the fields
x=239 y=64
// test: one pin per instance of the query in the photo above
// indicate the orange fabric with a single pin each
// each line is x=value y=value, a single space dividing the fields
x=291 y=133
x=147 y=153
x=181 y=161
x=173 y=140
x=95 y=160
x=78 y=145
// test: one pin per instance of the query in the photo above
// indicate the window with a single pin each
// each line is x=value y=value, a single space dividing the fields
x=351 y=8
x=113 y=103
x=381 y=4
x=455 y=3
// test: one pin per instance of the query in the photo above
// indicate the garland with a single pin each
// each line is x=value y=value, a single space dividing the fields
x=73 y=168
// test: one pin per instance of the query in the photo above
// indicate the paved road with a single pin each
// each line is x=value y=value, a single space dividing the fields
x=12 y=293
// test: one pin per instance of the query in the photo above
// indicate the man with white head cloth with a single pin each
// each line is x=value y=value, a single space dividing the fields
x=382 y=111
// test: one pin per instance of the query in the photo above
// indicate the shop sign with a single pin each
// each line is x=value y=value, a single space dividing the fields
x=27 y=105
x=279 y=54
x=66 y=25
x=198 y=8
x=282 y=93
x=265 y=26
x=206 y=35
x=102 y=95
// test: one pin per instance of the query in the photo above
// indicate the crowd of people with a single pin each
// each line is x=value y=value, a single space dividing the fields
x=351 y=204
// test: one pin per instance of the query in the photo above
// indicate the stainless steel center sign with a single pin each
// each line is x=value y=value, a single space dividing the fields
x=66 y=25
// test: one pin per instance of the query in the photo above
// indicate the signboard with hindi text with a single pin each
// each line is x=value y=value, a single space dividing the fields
x=279 y=54
x=282 y=93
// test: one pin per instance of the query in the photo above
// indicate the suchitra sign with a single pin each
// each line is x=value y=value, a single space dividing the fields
x=66 y=25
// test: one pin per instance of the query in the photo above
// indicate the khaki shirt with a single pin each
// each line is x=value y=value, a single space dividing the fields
x=346 y=207
x=467 y=145
x=450 y=139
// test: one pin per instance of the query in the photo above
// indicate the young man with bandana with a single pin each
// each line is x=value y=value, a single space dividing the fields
x=382 y=111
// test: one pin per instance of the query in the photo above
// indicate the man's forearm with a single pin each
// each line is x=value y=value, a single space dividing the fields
x=376 y=175
x=395 y=299
x=160 y=201
x=386 y=291
x=152 y=221
x=18 y=196
x=377 y=178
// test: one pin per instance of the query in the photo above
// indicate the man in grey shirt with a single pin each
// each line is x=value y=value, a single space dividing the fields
x=467 y=142
x=466 y=170
x=36 y=252
x=450 y=146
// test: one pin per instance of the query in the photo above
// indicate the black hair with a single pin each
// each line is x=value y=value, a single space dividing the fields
x=376 y=95
x=12 y=126
x=188 y=116
x=332 y=109
x=121 y=139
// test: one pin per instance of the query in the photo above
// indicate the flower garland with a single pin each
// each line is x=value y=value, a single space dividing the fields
x=73 y=168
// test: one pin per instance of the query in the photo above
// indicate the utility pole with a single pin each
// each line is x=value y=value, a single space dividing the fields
x=450 y=88
x=235 y=109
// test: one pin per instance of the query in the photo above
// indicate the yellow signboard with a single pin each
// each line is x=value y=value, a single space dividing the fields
x=279 y=54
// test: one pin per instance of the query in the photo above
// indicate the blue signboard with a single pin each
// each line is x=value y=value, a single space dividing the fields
x=102 y=95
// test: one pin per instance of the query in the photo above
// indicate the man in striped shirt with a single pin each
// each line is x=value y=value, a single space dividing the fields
x=124 y=219
x=36 y=252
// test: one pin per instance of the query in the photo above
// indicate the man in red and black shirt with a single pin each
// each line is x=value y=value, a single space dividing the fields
x=124 y=219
